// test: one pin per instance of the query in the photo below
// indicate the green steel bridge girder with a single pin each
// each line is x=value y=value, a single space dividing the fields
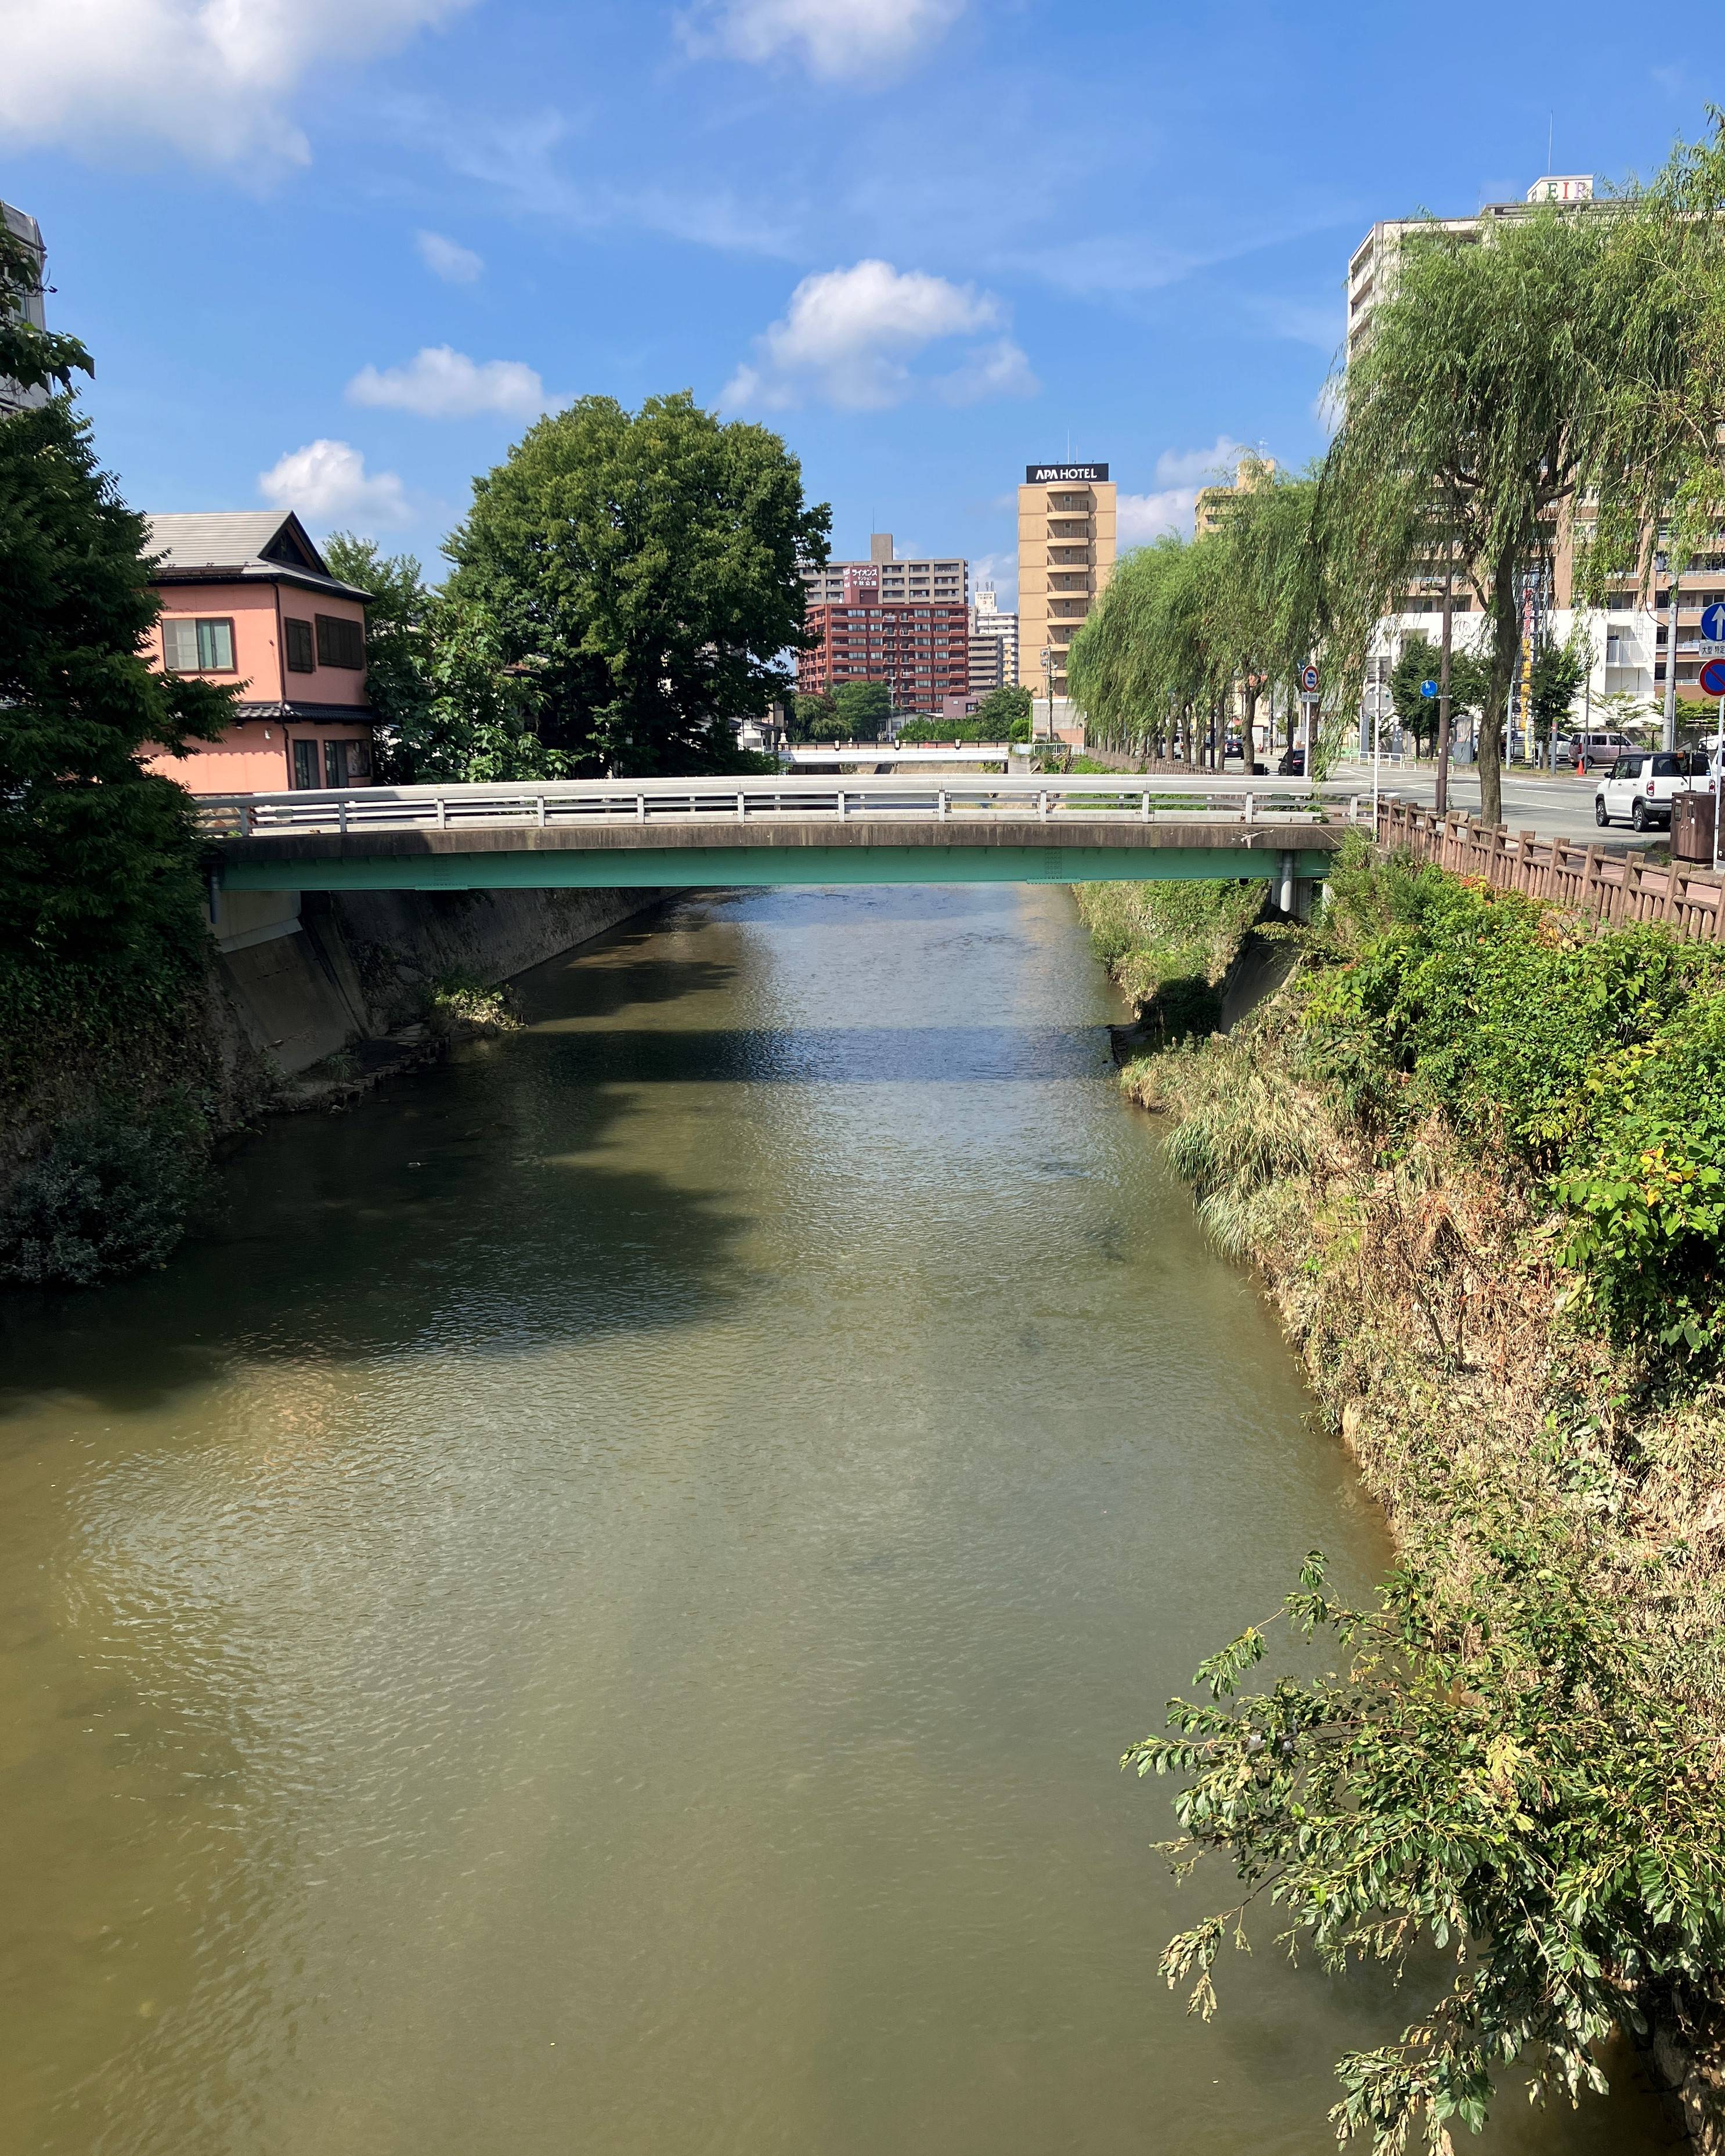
x=707 y=868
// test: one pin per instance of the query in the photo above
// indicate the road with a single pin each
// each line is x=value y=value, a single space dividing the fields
x=1557 y=805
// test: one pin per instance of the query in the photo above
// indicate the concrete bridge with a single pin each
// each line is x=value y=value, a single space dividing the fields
x=681 y=832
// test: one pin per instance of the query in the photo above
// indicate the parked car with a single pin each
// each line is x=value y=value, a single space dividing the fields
x=1292 y=764
x=1591 y=752
x=1640 y=784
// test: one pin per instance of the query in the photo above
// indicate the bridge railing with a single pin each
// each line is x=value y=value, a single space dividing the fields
x=594 y=803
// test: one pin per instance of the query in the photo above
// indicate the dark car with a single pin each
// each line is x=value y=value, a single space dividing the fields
x=1292 y=764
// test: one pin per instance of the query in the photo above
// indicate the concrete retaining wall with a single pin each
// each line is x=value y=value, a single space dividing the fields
x=308 y=973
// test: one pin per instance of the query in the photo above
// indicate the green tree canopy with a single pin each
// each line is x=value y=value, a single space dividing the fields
x=1420 y=661
x=626 y=586
x=1557 y=673
x=1001 y=710
x=809 y=710
x=399 y=682
x=1477 y=412
x=863 y=707
x=96 y=853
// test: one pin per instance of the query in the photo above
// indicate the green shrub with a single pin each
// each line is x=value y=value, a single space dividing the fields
x=108 y=1197
x=460 y=1001
x=1594 y=1063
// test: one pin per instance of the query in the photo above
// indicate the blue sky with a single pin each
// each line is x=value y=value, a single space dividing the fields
x=338 y=253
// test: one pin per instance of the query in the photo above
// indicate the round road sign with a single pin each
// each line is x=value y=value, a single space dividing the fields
x=1308 y=679
x=1712 y=678
x=1713 y=626
x=1428 y=689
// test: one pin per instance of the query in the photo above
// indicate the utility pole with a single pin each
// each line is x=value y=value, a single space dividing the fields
x=1443 y=741
x=1670 y=731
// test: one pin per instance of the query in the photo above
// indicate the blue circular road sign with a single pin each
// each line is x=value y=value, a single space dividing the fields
x=1713 y=626
x=1428 y=688
x=1712 y=678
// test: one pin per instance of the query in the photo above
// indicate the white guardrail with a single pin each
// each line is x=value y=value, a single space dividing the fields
x=600 y=803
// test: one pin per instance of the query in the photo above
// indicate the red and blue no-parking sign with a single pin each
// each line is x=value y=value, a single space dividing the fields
x=1712 y=678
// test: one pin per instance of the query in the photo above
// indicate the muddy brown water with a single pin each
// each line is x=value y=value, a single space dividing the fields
x=598 y=1609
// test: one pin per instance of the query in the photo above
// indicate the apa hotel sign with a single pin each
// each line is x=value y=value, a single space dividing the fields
x=1064 y=474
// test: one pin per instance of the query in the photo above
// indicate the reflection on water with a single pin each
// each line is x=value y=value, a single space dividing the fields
x=599 y=1610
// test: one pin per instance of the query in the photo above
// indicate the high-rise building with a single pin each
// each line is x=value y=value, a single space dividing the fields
x=1066 y=536
x=1371 y=274
x=25 y=228
x=1213 y=502
x=894 y=579
x=989 y=625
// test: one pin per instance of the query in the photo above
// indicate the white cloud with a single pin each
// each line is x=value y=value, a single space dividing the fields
x=444 y=257
x=328 y=482
x=1142 y=517
x=1139 y=518
x=210 y=79
x=848 y=335
x=442 y=383
x=833 y=38
x=1187 y=467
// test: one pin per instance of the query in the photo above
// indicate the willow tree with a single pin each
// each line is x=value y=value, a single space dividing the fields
x=1476 y=414
x=1659 y=483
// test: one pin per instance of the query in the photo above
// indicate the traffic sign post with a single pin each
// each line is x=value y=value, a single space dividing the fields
x=1428 y=689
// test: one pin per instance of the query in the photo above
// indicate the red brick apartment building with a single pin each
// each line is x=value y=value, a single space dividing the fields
x=920 y=649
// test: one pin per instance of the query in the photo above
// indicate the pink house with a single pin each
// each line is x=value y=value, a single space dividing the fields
x=247 y=599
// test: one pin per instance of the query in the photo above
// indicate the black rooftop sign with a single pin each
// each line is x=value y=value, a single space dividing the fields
x=1063 y=474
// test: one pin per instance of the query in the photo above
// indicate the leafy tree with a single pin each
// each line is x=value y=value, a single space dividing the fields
x=1003 y=709
x=807 y=712
x=98 y=856
x=1558 y=671
x=1419 y=662
x=397 y=653
x=864 y=707
x=1474 y=414
x=1500 y=1774
x=641 y=571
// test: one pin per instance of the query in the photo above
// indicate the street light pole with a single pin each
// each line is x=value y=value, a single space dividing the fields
x=1048 y=686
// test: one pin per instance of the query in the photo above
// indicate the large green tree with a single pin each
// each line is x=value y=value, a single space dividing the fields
x=98 y=856
x=1419 y=662
x=863 y=707
x=1476 y=413
x=398 y=655
x=633 y=576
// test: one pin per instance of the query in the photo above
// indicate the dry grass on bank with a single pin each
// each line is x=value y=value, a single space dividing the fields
x=1439 y=1335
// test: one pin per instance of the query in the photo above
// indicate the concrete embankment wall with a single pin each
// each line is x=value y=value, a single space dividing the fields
x=307 y=974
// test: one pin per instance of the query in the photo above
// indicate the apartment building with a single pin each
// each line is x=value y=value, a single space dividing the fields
x=893 y=579
x=1371 y=273
x=993 y=643
x=920 y=650
x=1212 y=506
x=1066 y=547
x=24 y=227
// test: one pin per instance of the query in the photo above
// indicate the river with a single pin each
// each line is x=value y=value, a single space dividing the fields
x=597 y=1610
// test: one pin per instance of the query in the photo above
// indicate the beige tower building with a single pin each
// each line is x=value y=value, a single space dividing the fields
x=1065 y=558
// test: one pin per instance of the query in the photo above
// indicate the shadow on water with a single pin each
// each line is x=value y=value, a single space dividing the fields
x=471 y=1209
x=833 y=1056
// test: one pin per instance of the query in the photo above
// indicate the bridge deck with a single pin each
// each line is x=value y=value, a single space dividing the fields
x=775 y=830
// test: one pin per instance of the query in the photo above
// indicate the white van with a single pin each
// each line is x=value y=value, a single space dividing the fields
x=1639 y=786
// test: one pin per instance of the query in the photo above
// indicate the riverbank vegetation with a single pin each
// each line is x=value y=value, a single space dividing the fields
x=111 y=1075
x=1476 y=1151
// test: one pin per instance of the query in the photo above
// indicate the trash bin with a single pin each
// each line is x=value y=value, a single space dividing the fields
x=1692 y=827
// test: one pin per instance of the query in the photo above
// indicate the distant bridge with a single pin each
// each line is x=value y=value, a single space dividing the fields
x=681 y=832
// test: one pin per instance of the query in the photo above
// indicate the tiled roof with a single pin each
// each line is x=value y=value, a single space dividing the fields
x=241 y=542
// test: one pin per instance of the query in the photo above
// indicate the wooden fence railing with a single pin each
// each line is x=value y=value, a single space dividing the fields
x=1614 y=888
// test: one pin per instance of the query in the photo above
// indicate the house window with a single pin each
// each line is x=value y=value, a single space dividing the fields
x=335 y=764
x=296 y=638
x=340 y=643
x=304 y=763
x=197 y=647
